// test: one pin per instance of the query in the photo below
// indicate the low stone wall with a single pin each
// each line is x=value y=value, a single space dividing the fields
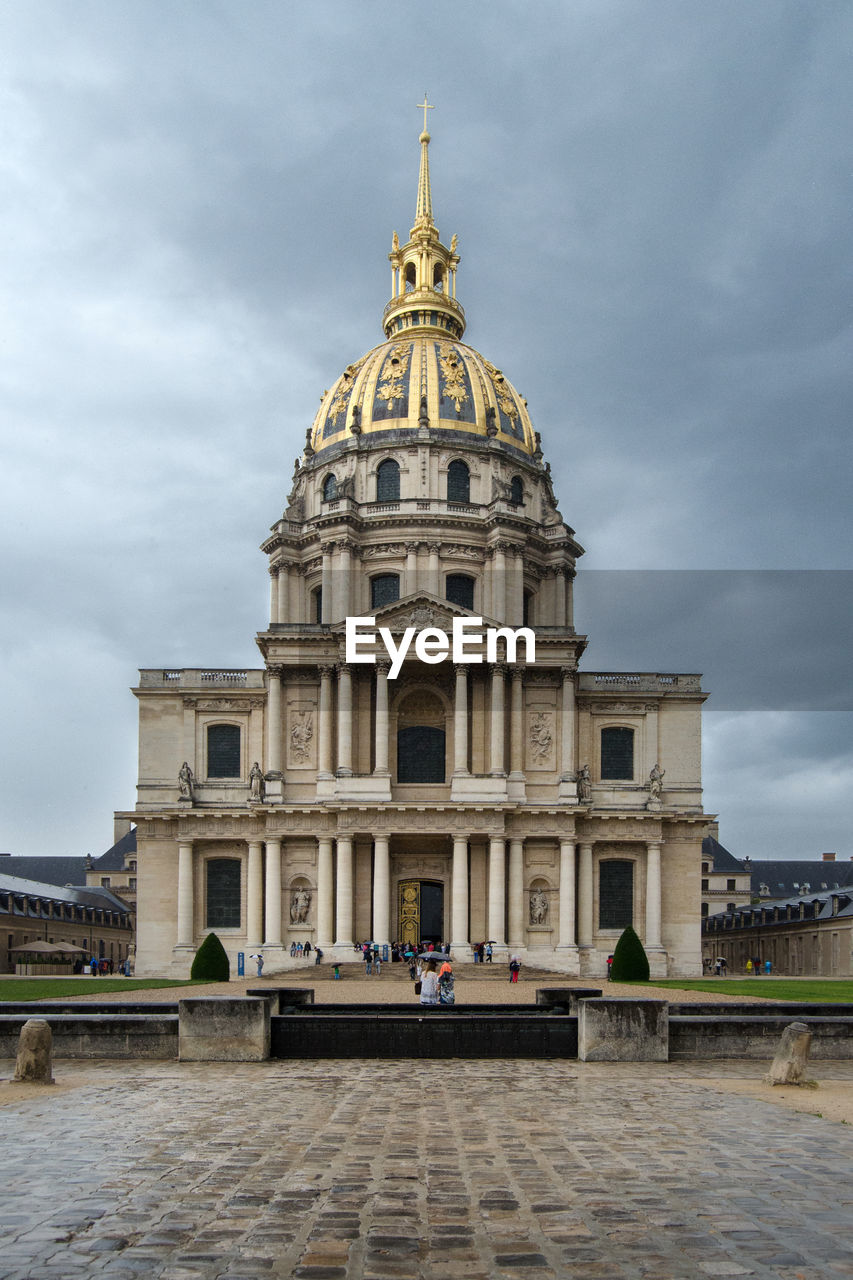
x=693 y=1038
x=429 y=1033
x=98 y=1035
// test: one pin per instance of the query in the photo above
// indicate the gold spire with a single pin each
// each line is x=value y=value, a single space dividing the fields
x=423 y=271
x=423 y=212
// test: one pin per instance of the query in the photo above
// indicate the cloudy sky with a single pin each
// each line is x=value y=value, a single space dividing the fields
x=653 y=207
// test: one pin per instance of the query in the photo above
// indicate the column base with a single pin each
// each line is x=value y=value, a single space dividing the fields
x=470 y=788
x=567 y=792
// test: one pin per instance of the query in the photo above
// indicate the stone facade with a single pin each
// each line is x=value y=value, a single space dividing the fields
x=328 y=799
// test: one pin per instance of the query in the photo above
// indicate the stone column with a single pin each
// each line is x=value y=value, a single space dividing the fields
x=255 y=895
x=325 y=902
x=499 y=583
x=460 y=722
x=324 y=737
x=653 y=911
x=433 y=584
x=516 y=604
x=344 y=904
x=272 y=932
x=516 y=893
x=488 y=582
x=567 y=894
x=341 y=594
x=560 y=608
x=186 y=904
x=381 y=890
x=516 y=725
x=585 y=897
x=411 y=568
x=344 y=721
x=380 y=746
x=283 y=592
x=567 y=735
x=274 y=722
x=326 y=582
x=273 y=593
x=496 y=742
x=497 y=891
x=459 y=899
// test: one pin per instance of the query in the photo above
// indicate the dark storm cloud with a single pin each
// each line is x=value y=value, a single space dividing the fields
x=653 y=210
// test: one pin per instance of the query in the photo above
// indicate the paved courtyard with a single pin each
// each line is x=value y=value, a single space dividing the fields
x=479 y=1170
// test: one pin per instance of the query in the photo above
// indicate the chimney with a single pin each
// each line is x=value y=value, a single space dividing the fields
x=121 y=826
x=828 y=857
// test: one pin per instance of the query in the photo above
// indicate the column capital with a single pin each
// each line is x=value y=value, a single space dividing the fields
x=567 y=673
x=434 y=548
x=412 y=548
x=383 y=666
x=461 y=669
x=344 y=669
x=498 y=668
x=275 y=669
x=519 y=671
x=326 y=670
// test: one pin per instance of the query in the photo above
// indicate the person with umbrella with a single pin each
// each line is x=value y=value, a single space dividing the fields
x=445 y=982
x=260 y=962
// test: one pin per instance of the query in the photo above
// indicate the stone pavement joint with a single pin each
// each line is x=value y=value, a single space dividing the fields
x=351 y=1170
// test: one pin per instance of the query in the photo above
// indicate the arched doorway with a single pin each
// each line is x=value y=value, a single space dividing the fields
x=420 y=911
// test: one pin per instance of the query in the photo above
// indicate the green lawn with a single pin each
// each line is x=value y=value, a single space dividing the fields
x=17 y=989
x=808 y=990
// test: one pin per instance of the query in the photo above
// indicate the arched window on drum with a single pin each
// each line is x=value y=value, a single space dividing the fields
x=388 y=481
x=458 y=482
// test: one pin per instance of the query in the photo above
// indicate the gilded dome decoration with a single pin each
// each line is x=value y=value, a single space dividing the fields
x=423 y=362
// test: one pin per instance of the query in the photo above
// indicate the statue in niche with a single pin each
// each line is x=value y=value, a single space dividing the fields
x=257 y=785
x=538 y=906
x=656 y=782
x=584 y=783
x=185 y=781
x=300 y=904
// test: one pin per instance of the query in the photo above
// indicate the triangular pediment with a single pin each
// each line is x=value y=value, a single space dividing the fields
x=420 y=609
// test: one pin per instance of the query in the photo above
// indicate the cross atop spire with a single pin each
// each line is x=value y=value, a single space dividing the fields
x=423 y=212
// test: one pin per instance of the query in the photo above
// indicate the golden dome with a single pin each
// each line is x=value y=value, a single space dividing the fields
x=423 y=381
x=423 y=378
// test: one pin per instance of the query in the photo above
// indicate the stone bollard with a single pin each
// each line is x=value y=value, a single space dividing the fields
x=789 y=1065
x=34 y=1063
x=623 y=1031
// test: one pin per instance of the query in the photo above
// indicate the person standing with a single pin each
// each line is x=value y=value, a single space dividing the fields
x=429 y=985
x=514 y=968
x=488 y=953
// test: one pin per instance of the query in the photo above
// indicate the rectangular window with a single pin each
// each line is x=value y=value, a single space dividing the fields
x=617 y=754
x=615 y=894
x=223 y=751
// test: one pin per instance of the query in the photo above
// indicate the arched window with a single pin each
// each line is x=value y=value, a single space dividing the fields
x=516 y=491
x=384 y=589
x=615 y=894
x=223 y=893
x=438 y=278
x=459 y=589
x=420 y=739
x=317 y=599
x=330 y=488
x=617 y=754
x=223 y=751
x=458 y=482
x=388 y=481
x=527 y=608
x=410 y=277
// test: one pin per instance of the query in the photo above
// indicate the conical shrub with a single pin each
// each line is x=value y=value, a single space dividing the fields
x=630 y=962
x=211 y=963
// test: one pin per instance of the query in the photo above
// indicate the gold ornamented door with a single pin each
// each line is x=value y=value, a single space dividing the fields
x=409 y=912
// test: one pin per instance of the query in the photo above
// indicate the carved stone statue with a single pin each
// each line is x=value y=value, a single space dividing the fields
x=541 y=737
x=346 y=487
x=300 y=737
x=355 y=424
x=257 y=784
x=185 y=781
x=300 y=905
x=538 y=906
x=656 y=781
x=584 y=783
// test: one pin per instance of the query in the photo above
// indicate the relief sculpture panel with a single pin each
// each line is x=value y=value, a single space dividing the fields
x=539 y=739
x=301 y=738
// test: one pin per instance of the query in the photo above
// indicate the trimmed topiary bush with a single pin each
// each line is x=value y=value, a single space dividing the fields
x=630 y=962
x=211 y=963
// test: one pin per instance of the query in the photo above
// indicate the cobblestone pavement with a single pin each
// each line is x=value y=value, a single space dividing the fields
x=480 y=1170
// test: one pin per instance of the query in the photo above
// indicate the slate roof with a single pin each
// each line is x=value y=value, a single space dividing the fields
x=113 y=859
x=820 y=904
x=783 y=879
x=721 y=859
x=79 y=897
x=59 y=870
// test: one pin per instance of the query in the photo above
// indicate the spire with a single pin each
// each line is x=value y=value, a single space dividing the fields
x=423 y=212
x=423 y=271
